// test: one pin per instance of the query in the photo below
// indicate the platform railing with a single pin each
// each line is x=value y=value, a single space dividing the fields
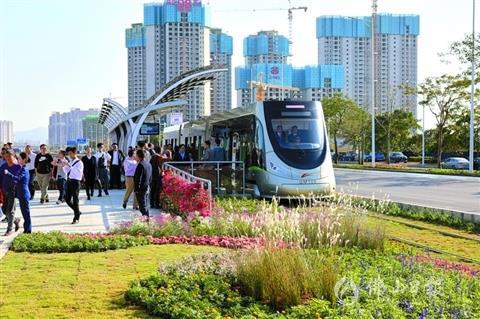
x=228 y=172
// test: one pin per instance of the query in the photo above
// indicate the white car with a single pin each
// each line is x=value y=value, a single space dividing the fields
x=456 y=163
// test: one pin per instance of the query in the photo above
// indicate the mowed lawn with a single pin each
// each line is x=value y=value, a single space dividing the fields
x=79 y=285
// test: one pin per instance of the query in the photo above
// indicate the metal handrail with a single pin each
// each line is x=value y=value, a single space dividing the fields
x=192 y=179
x=217 y=169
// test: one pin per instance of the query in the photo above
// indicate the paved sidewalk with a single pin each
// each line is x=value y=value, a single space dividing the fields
x=98 y=215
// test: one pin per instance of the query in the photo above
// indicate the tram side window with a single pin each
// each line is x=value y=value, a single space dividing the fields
x=259 y=149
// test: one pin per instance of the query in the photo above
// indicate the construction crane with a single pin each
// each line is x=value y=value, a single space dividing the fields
x=290 y=22
x=290 y=11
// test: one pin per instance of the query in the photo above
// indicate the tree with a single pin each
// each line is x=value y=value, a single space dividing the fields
x=445 y=97
x=357 y=129
x=338 y=111
x=462 y=51
x=398 y=127
x=458 y=132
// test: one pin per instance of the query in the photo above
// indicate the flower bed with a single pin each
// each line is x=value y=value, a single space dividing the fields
x=322 y=227
x=182 y=198
x=58 y=242
x=367 y=285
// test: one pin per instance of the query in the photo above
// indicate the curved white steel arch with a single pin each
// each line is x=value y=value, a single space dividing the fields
x=184 y=80
x=127 y=126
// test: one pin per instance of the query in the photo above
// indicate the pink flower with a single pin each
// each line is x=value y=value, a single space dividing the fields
x=445 y=264
x=186 y=197
x=219 y=241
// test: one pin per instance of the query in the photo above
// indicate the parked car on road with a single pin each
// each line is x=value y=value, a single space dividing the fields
x=398 y=157
x=476 y=163
x=348 y=157
x=379 y=157
x=456 y=163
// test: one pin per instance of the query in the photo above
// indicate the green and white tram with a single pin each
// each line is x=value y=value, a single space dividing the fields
x=284 y=145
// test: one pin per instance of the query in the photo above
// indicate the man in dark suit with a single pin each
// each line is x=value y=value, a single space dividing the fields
x=181 y=155
x=117 y=158
x=90 y=173
x=156 y=185
x=142 y=180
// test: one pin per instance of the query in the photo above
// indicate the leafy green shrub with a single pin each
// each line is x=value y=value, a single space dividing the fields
x=239 y=205
x=394 y=209
x=58 y=242
x=365 y=283
x=396 y=167
x=283 y=278
x=157 y=226
x=418 y=159
x=196 y=287
x=445 y=171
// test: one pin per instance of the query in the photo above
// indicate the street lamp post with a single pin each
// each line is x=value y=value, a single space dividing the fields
x=423 y=137
x=373 y=27
x=472 y=94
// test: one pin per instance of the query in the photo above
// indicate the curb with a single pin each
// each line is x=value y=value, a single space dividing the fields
x=6 y=242
x=464 y=216
x=401 y=171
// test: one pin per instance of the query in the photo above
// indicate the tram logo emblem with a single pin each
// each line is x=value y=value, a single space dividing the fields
x=305 y=175
x=273 y=166
x=274 y=70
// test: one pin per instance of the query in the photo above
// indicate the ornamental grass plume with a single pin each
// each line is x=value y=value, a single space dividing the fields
x=313 y=227
x=283 y=278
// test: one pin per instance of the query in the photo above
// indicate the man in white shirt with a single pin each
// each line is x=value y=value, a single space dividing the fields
x=74 y=171
x=103 y=158
x=31 y=170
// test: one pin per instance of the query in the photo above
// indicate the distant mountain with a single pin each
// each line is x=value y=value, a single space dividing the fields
x=35 y=136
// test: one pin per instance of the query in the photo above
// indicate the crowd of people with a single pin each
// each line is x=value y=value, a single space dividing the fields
x=99 y=170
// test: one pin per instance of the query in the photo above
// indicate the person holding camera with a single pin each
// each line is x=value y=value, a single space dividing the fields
x=60 y=176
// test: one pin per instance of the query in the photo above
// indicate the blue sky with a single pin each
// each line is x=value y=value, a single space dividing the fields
x=60 y=54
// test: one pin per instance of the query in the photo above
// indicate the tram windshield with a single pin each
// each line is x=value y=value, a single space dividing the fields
x=296 y=132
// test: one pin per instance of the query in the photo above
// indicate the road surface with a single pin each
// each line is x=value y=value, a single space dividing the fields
x=437 y=191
